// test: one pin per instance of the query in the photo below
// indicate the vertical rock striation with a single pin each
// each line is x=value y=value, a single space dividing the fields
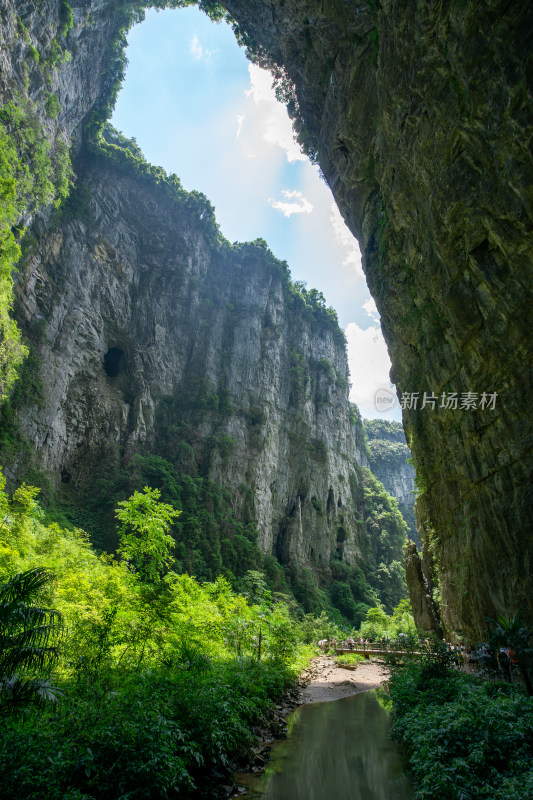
x=155 y=336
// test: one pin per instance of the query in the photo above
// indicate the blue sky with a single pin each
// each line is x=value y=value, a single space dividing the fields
x=198 y=108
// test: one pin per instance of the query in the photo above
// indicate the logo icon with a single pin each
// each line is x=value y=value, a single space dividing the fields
x=384 y=400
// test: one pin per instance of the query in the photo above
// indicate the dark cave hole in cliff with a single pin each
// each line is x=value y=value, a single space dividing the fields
x=114 y=362
x=330 y=506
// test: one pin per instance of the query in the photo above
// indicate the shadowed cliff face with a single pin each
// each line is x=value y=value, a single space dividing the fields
x=421 y=116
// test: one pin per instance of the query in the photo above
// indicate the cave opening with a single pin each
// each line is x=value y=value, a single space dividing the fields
x=114 y=362
x=330 y=507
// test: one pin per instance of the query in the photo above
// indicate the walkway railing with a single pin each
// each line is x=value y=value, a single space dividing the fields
x=370 y=648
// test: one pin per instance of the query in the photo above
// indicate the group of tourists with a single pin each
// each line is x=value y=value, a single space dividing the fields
x=384 y=643
x=471 y=659
x=337 y=644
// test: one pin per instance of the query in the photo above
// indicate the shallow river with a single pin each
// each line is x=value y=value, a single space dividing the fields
x=335 y=751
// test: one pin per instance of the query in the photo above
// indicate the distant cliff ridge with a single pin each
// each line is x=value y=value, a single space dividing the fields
x=390 y=461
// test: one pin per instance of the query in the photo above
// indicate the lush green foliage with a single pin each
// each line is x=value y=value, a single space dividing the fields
x=27 y=389
x=163 y=679
x=465 y=738
x=349 y=659
x=144 y=539
x=208 y=538
x=510 y=632
x=389 y=454
x=52 y=106
x=385 y=430
x=28 y=638
x=379 y=625
x=385 y=535
x=211 y=541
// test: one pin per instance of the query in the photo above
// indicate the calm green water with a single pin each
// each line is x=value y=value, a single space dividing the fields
x=336 y=751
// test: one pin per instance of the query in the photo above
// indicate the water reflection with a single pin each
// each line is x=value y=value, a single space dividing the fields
x=338 y=751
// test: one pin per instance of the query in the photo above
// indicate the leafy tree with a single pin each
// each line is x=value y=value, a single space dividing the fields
x=376 y=623
x=282 y=634
x=255 y=587
x=144 y=539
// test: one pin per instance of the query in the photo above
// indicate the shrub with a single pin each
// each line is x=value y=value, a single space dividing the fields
x=464 y=738
x=52 y=106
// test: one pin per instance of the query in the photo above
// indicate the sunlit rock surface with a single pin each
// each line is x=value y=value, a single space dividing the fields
x=159 y=339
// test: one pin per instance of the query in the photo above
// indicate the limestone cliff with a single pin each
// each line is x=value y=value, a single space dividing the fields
x=389 y=459
x=152 y=330
x=154 y=338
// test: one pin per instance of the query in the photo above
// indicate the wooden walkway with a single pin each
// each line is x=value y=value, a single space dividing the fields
x=376 y=651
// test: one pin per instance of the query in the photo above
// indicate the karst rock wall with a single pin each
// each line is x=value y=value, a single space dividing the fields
x=389 y=459
x=158 y=339
x=421 y=115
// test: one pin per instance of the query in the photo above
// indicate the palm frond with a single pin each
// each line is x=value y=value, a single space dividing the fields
x=28 y=632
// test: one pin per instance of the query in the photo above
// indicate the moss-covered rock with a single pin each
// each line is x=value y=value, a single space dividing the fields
x=420 y=115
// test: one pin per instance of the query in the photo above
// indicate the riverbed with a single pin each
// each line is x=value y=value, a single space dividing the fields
x=325 y=681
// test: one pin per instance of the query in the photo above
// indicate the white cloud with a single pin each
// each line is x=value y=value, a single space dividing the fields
x=299 y=204
x=273 y=119
x=371 y=309
x=260 y=84
x=369 y=365
x=198 y=52
x=196 y=48
x=346 y=240
x=240 y=120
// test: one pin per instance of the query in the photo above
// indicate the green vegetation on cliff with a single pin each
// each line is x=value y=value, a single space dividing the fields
x=379 y=576
x=386 y=533
x=390 y=459
x=33 y=173
x=107 y=143
x=210 y=540
x=386 y=444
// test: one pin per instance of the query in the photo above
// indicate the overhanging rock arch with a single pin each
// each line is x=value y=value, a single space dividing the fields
x=420 y=114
